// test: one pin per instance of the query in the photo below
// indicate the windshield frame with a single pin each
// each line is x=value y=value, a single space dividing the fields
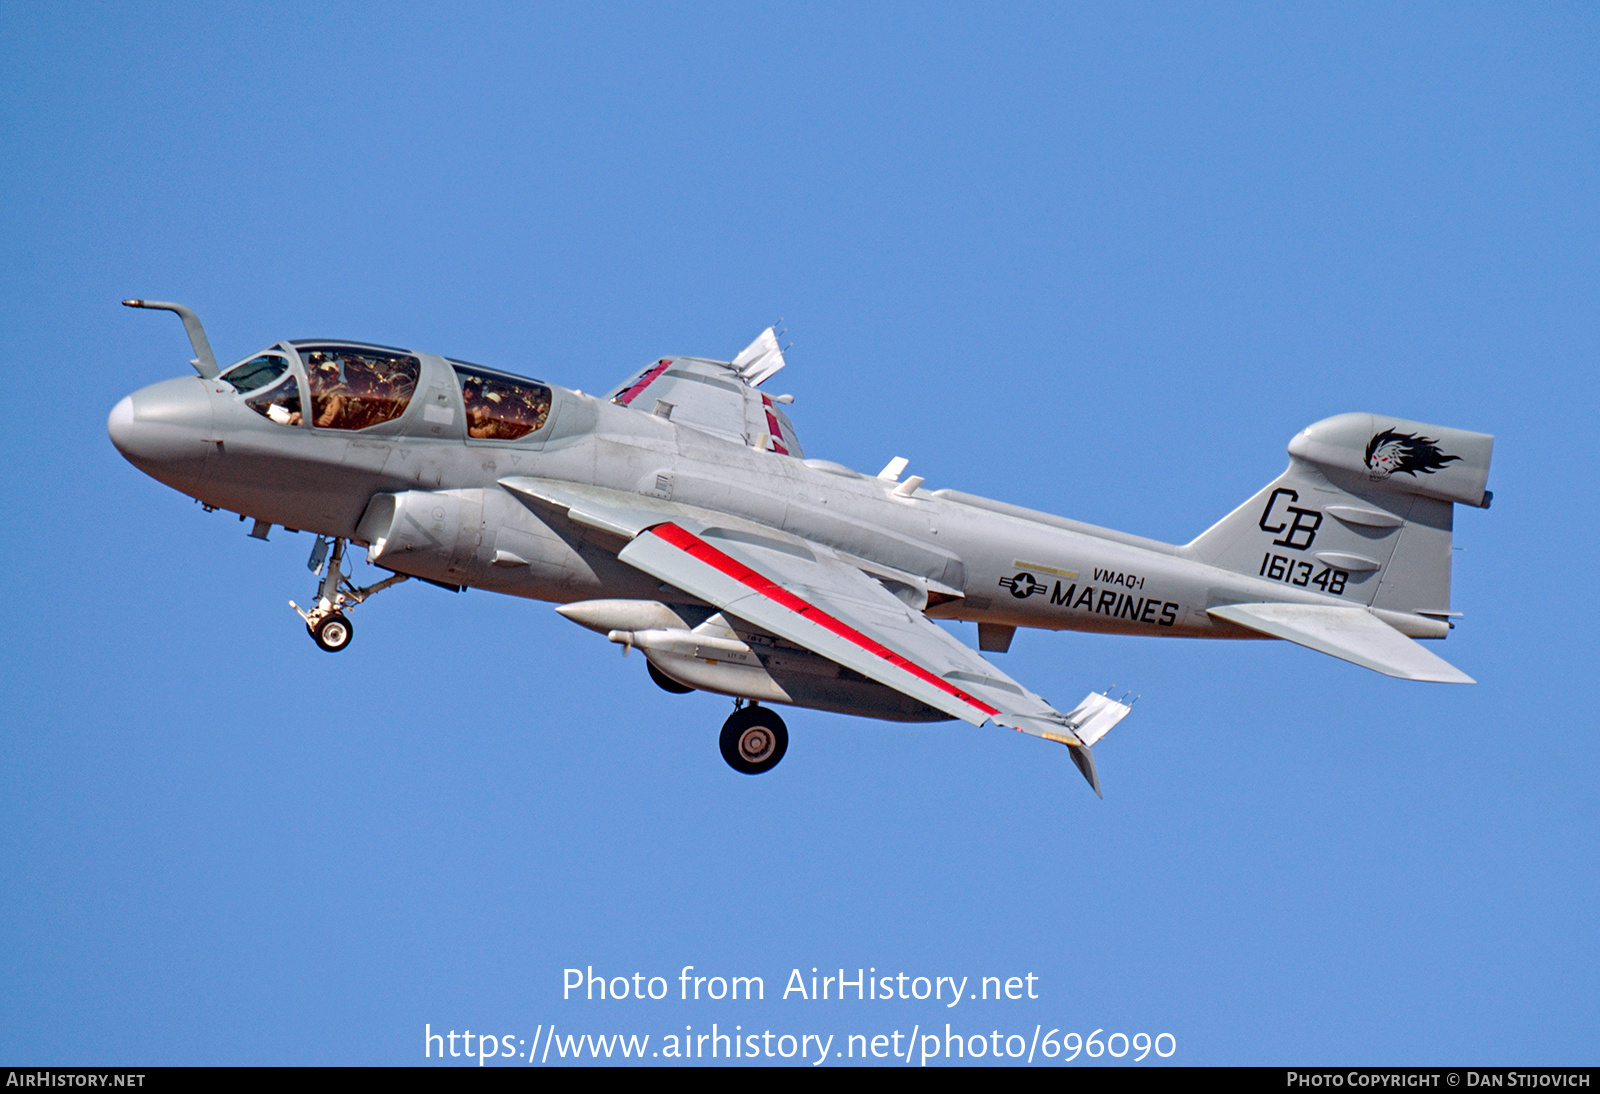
x=277 y=350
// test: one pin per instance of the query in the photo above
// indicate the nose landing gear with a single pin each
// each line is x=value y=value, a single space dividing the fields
x=332 y=633
x=325 y=621
x=753 y=740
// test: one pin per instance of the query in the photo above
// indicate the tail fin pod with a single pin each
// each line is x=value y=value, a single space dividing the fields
x=1437 y=462
x=1363 y=512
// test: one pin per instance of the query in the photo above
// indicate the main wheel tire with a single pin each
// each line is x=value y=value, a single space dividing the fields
x=665 y=682
x=332 y=633
x=753 y=740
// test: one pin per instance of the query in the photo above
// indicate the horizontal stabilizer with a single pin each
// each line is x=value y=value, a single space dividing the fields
x=1350 y=633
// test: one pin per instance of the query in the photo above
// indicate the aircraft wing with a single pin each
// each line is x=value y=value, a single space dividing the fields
x=717 y=397
x=808 y=594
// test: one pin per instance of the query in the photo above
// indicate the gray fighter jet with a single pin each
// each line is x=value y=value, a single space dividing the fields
x=677 y=514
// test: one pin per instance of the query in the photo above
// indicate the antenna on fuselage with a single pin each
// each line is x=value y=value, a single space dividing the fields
x=204 y=362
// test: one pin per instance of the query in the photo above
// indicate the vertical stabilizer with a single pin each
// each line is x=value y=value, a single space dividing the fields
x=1364 y=512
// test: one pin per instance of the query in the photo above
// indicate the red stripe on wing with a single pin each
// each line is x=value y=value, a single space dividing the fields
x=732 y=567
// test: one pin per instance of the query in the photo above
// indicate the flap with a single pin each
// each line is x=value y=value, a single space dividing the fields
x=1350 y=633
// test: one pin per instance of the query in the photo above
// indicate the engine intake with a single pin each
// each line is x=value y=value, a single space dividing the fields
x=429 y=533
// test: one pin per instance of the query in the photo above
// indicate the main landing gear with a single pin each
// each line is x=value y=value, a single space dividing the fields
x=326 y=622
x=754 y=739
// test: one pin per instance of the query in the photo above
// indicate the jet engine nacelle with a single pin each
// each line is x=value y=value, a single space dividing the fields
x=432 y=534
x=487 y=539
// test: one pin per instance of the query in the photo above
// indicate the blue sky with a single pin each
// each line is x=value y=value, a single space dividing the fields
x=1101 y=260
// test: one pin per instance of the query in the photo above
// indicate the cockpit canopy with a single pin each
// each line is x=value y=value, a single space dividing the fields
x=355 y=387
x=499 y=406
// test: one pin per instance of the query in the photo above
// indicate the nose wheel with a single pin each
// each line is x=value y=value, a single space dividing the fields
x=325 y=620
x=753 y=740
x=332 y=633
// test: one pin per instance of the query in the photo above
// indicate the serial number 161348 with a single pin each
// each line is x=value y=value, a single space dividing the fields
x=1293 y=571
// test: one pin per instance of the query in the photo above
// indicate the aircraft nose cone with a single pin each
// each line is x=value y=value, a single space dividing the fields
x=165 y=430
x=120 y=424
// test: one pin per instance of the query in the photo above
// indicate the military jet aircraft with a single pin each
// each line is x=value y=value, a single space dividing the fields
x=677 y=514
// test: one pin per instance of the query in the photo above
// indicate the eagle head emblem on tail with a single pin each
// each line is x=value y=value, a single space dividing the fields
x=1393 y=453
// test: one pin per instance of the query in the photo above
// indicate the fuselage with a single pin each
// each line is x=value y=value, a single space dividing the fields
x=952 y=555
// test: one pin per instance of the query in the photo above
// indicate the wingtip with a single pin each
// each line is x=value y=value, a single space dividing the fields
x=1085 y=762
